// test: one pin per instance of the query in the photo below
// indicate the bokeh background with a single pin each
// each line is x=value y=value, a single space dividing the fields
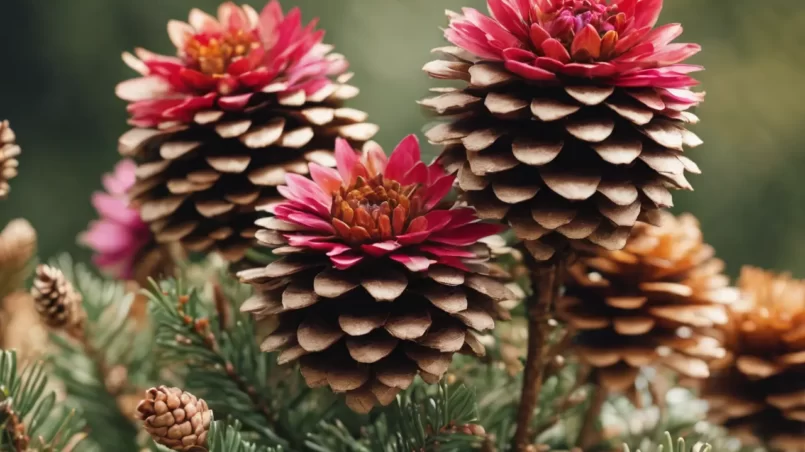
x=60 y=63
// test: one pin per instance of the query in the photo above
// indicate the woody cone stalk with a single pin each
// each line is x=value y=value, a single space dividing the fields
x=378 y=284
x=249 y=98
x=569 y=126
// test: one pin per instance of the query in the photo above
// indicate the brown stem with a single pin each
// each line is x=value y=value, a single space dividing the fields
x=545 y=282
x=589 y=435
x=249 y=390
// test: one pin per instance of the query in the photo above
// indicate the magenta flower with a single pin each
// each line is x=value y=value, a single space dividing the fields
x=614 y=42
x=222 y=62
x=119 y=236
x=374 y=207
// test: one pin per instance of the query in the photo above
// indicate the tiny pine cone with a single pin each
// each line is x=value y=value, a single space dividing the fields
x=55 y=299
x=175 y=418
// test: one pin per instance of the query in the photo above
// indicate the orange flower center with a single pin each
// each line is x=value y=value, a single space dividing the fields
x=212 y=54
x=374 y=210
x=568 y=19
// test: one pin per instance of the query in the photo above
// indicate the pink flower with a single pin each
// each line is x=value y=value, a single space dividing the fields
x=223 y=62
x=119 y=236
x=613 y=42
x=375 y=208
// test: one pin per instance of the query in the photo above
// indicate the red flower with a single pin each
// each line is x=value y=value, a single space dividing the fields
x=223 y=62
x=610 y=41
x=374 y=207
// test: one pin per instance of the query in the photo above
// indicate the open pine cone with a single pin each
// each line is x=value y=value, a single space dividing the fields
x=248 y=99
x=56 y=300
x=651 y=303
x=758 y=390
x=9 y=151
x=175 y=418
x=569 y=133
x=378 y=283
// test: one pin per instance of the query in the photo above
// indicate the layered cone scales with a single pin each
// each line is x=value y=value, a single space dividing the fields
x=652 y=303
x=215 y=135
x=175 y=418
x=758 y=390
x=561 y=132
x=378 y=285
x=9 y=151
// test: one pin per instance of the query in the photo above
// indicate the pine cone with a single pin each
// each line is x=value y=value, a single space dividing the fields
x=17 y=249
x=648 y=304
x=58 y=303
x=9 y=151
x=175 y=418
x=567 y=136
x=218 y=128
x=758 y=390
x=378 y=284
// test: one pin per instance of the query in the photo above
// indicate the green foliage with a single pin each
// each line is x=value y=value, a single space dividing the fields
x=215 y=346
x=50 y=425
x=422 y=418
x=669 y=445
x=111 y=347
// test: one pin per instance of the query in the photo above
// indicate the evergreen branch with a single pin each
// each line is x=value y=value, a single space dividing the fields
x=30 y=418
x=105 y=361
x=226 y=367
x=227 y=438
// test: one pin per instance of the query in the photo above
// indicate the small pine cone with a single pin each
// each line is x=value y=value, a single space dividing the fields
x=651 y=303
x=58 y=303
x=378 y=284
x=175 y=418
x=9 y=151
x=561 y=132
x=215 y=135
x=17 y=249
x=758 y=390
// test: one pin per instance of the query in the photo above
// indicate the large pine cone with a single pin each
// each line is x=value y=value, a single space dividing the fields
x=175 y=418
x=58 y=303
x=368 y=331
x=202 y=183
x=651 y=303
x=9 y=151
x=758 y=390
x=575 y=161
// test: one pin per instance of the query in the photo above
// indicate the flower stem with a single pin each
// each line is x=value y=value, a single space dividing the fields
x=589 y=428
x=545 y=282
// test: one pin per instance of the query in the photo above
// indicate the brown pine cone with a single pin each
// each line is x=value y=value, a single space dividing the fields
x=758 y=390
x=648 y=304
x=9 y=151
x=58 y=303
x=175 y=418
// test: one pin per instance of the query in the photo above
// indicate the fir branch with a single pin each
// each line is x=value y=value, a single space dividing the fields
x=105 y=360
x=226 y=367
x=224 y=437
x=30 y=418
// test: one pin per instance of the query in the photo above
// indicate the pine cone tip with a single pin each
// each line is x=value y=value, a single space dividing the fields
x=175 y=418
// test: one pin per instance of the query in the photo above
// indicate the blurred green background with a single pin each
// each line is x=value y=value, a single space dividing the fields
x=60 y=63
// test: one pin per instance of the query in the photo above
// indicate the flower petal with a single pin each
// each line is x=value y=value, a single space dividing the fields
x=413 y=263
x=403 y=158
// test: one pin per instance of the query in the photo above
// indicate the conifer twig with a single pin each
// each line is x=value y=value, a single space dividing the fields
x=546 y=282
x=589 y=427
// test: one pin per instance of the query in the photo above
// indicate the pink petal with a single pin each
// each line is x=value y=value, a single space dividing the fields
x=507 y=17
x=630 y=39
x=233 y=17
x=663 y=35
x=495 y=30
x=197 y=80
x=447 y=251
x=203 y=22
x=403 y=158
x=308 y=192
x=538 y=35
x=529 y=72
x=674 y=53
x=466 y=235
x=327 y=178
x=107 y=237
x=554 y=49
x=461 y=217
x=116 y=209
x=587 y=43
x=121 y=179
x=235 y=103
x=270 y=18
x=374 y=159
x=345 y=261
x=347 y=162
x=437 y=191
x=414 y=263
x=179 y=32
x=438 y=219
x=307 y=220
x=381 y=248
x=647 y=12
x=417 y=174
x=479 y=47
x=142 y=88
x=521 y=55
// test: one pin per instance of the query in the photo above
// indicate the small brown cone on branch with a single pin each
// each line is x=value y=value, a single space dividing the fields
x=758 y=390
x=9 y=151
x=175 y=418
x=58 y=303
x=652 y=303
